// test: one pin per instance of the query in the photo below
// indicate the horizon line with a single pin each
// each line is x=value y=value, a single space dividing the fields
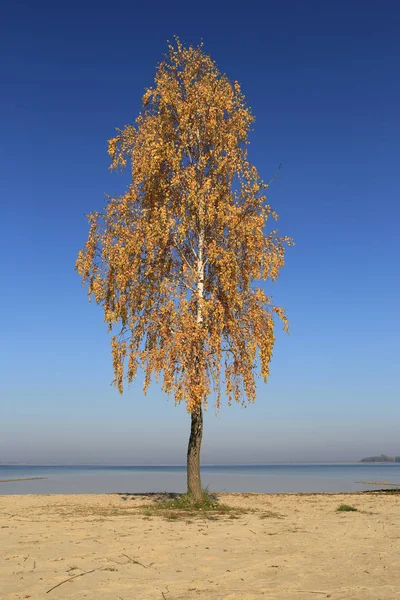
x=183 y=465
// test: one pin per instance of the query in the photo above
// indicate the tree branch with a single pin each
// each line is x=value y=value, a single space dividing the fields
x=181 y=254
x=277 y=172
x=186 y=285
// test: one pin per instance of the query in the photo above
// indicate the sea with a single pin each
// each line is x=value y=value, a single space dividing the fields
x=269 y=479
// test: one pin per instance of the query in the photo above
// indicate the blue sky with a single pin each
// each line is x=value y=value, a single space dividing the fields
x=322 y=81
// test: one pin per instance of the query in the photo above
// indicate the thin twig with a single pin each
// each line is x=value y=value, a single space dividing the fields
x=184 y=258
x=69 y=579
x=180 y=252
x=277 y=172
x=252 y=531
x=135 y=562
x=312 y=592
x=186 y=285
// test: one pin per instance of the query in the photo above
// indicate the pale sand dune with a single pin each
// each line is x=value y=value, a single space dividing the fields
x=310 y=552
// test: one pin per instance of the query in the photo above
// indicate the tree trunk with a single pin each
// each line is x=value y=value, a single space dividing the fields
x=196 y=430
x=193 y=455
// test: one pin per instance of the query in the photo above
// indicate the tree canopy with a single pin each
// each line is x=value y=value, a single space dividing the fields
x=177 y=261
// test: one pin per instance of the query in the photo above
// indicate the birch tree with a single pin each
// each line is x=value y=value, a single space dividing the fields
x=177 y=261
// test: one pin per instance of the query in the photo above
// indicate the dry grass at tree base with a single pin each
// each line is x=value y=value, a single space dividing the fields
x=185 y=506
x=177 y=507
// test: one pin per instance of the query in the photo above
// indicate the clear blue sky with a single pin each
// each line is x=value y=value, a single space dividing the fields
x=323 y=80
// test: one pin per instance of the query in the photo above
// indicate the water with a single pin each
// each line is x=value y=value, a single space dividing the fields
x=287 y=478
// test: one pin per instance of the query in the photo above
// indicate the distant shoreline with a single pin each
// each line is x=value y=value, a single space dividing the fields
x=382 y=458
x=20 y=479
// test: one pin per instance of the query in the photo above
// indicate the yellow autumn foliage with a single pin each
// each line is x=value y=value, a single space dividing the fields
x=175 y=261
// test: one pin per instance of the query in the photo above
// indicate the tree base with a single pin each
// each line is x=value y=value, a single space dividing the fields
x=194 y=488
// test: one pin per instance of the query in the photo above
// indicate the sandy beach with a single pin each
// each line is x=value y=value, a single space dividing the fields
x=283 y=547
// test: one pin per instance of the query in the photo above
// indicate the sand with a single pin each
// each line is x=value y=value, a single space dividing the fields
x=290 y=547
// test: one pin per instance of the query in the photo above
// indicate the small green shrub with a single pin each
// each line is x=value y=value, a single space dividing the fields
x=346 y=508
